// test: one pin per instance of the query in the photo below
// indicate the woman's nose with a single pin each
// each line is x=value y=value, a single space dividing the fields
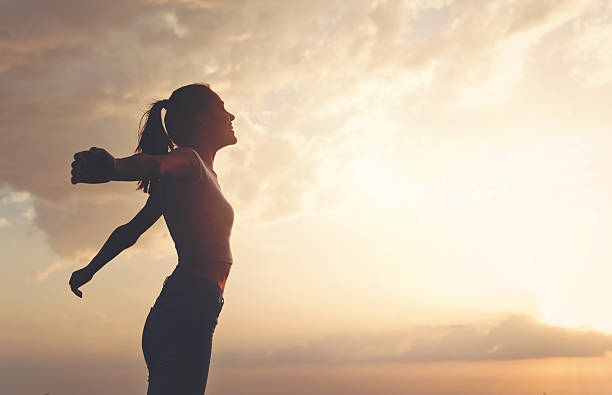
x=232 y=117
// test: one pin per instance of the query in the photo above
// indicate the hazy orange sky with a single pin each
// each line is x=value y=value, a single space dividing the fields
x=422 y=193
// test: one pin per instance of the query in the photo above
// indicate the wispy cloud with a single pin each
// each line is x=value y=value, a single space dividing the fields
x=299 y=76
x=61 y=265
x=16 y=197
x=590 y=48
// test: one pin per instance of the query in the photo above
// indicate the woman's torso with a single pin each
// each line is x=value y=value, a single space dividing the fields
x=200 y=220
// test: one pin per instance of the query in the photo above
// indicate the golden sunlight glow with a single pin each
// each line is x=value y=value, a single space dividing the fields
x=425 y=185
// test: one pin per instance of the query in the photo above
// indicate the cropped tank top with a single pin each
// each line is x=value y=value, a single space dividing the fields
x=199 y=219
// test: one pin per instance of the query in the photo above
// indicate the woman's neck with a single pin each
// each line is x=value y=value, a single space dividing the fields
x=207 y=154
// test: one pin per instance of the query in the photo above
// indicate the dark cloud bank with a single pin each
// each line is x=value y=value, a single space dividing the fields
x=517 y=337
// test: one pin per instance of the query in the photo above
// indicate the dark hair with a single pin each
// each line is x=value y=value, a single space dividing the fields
x=182 y=109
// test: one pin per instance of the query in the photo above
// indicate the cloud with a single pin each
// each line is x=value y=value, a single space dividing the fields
x=305 y=80
x=29 y=213
x=483 y=52
x=589 y=49
x=16 y=197
x=516 y=337
x=61 y=265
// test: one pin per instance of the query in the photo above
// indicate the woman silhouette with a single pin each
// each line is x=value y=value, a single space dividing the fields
x=176 y=169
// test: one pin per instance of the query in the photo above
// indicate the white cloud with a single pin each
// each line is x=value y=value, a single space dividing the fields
x=172 y=20
x=29 y=213
x=61 y=265
x=590 y=46
x=16 y=197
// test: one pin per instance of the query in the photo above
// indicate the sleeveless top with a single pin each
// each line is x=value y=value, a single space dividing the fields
x=200 y=220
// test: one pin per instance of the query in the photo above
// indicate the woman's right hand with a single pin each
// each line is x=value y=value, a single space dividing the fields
x=92 y=167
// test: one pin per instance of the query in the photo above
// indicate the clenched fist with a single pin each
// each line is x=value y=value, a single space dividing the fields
x=78 y=278
x=92 y=167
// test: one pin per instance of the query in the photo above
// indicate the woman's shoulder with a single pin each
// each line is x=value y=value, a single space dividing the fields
x=186 y=152
x=182 y=150
x=184 y=155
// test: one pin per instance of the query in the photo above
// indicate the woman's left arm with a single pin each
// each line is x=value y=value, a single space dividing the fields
x=120 y=239
x=97 y=166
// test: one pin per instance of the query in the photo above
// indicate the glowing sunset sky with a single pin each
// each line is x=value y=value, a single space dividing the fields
x=422 y=193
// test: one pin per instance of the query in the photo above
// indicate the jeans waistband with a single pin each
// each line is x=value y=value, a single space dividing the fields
x=181 y=282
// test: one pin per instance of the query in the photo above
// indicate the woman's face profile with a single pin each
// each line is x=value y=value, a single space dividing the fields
x=217 y=124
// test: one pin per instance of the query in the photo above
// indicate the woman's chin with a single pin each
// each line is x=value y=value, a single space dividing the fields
x=231 y=141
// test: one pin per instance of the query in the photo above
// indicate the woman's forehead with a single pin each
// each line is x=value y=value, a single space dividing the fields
x=217 y=97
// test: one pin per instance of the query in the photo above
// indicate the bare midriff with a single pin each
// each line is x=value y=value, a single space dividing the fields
x=216 y=272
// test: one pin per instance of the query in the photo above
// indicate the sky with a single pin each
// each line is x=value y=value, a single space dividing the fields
x=421 y=193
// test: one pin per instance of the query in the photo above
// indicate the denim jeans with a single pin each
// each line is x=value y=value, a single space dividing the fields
x=177 y=336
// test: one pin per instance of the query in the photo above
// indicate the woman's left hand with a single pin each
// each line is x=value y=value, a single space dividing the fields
x=80 y=277
x=92 y=167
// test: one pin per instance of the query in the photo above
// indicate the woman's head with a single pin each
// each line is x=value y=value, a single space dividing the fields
x=195 y=117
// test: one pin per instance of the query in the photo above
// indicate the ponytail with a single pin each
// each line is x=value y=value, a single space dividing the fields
x=183 y=108
x=152 y=138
